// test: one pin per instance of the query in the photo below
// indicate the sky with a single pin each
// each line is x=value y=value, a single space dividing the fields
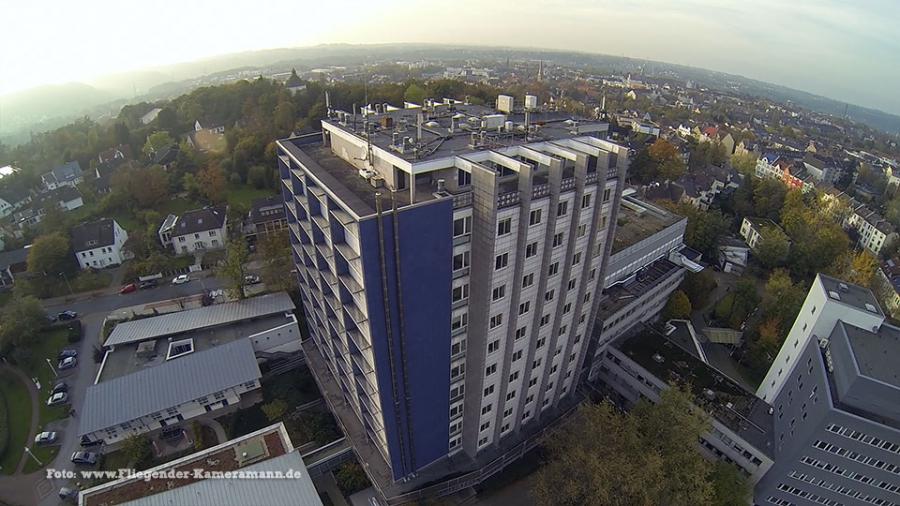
x=846 y=50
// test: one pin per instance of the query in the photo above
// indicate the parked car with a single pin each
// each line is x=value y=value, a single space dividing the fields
x=68 y=494
x=251 y=279
x=181 y=279
x=130 y=287
x=66 y=353
x=66 y=315
x=45 y=438
x=59 y=386
x=87 y=458
x=58 y=398
x=67 y=363
x=150 y=283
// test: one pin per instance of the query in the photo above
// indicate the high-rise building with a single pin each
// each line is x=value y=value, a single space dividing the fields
x=450 y=259
x=835 y=390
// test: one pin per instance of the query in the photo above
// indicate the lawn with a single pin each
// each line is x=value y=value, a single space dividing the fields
x=47 y=346
x=5 y=297
x=18 y=406
x=243 y=195
x=45 y=454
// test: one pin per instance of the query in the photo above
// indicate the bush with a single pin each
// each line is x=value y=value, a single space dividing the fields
x=351 y=478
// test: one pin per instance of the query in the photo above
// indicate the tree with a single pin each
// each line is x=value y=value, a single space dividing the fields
x=646 y=457
x=698 y=286
x=20 y=321
x=768 y=198
x=745 y=163
x=892 y=212
x=156 y=142
x=773 y=247
x=236 y=255
x=138 y=450
x=415 y=94
x=275 y=250
x=212 y=183
x=351 y=477
x=275 y=410
x=730 y=487
x=678 y=306
x=50 y=255
x=284 y=116
x=257 y=176
x=858 y=268
x=703 y=227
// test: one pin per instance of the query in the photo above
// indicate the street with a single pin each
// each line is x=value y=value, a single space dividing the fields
x=92 y=310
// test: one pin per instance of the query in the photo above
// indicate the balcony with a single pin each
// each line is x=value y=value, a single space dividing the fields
x=352 y=286
x=591 y=178
x=508 y=199
x=567 y=184
x=540 y=190
x=462 y=200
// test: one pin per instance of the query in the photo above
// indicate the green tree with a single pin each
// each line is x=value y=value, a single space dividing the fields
x=138 y=450
x=258 y=176
x=703 y=227
x=698 y=286
x=275 y=250
x=156 y=142
x=233 y=271
x=212 y=183
x=745 y=163
x=768 y=198
x=351 y=477
x=892 y=211
x=415 y=94
x=678 y=306
x=275 y=410
x=50 y=255
x=782 y=297
x=773 y=247
x=730 y=487
x=20 y=321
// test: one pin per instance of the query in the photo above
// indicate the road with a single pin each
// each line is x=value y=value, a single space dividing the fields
x=92 y=310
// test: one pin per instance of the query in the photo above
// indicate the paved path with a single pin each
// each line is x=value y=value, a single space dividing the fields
x=326 y=483
x=214 y=424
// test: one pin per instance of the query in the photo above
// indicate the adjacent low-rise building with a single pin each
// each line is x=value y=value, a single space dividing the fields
x=874 y=231
x=197 y=230
x=99 y=244
x=12 y=263
x=68 y=174
x=262 y=467
x=266 y=216
x=752 y=228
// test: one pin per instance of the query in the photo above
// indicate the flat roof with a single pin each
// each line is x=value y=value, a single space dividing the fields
x=638 y=220
x=852 y=295
x=620 y=295
x=204 y=317
x=267 y=449
x=132 y=357
x=169 y=384
x=876 y=353
x=731 y=404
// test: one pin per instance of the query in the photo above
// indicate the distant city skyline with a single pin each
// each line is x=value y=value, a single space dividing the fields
x=841 y=50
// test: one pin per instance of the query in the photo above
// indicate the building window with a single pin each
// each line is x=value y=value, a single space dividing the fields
x=531 y=250
x=514 y=376
x=457 y=348
x=485 y=426
x=521 y=332
x=460 y=260
x=527 y=280
x=493 y=346
x=486 y=409
x=558 y=240
x=524 y=307
x=576 y=258
x=582 y=230
x=606 y=194
x=460 y=292
x=501 y=261
x=545 y=320
x=534 y=217
x=489 y=390
x=459 y=321
x=517 y=356
x=540 y=343
x=212 y=233
x=586 y=201
x=504 y=226
x=496 y=320
x=462 y=226
x=549 y=295
x=562 y=208
x=553 y=269
x=571 y=285
x=499 y=292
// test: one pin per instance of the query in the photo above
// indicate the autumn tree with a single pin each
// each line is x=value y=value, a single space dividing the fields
x=703 y=227
x=768 y=198
x=157 y=141
x=678 y=306
x=698 y=286
x=20 y=321
x=233 y=271
x=745 y=163
x=773 y=247
x=50 y=255
x=275 y=250
x=646 y=457
x=858 y=268
x=212 y=183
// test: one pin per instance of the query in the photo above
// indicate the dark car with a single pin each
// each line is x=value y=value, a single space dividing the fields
x=130 y=287
x=59 y=386
x=67 y=363
x=66 y=315
x=66 y=353
x=87 y=458
x=150 y=283
x=68 y=494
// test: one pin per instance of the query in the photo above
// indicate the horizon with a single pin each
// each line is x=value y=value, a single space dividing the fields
x=827 y=45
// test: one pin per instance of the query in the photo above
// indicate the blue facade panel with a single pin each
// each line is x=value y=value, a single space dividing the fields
x=416 y=351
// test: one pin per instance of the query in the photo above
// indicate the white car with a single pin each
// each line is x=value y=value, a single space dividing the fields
x=180 y=280
x=58 y=398
x=45 y=438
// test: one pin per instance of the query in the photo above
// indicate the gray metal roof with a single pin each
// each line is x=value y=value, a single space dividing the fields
x=167 y=385
x=193 y=319
x=244 y=492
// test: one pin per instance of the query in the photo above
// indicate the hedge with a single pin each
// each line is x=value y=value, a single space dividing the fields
x=4 y=424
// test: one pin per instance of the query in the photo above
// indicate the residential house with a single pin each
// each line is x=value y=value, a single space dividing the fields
x=12 y=198
x=13 y=263
x=66 y=198
x=99 y=244
x=8 y=170
x=733 y=255
x=165 y=157
x=69 y=174
x=266 y=217
x=197 y=230
x=888 y=283
x=751 y=229
x=667 y=190
x=150 y=116
x=699 y=189
x=793 y=174
x=209 y=126
x=822 y=169
x=206 y=140
x=640 y=126
x=120 y=152
x=874 y=231
x=728 y=143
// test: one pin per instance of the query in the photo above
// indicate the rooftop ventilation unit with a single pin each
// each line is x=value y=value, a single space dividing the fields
x=870 y=308
x=844 y=287
x=505 y=103
x=834 y=295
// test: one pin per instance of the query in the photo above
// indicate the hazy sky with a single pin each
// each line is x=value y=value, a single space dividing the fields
x=848 y=50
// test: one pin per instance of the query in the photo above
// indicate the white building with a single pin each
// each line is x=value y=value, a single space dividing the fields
x=99 y=244
x=197 y=230
x=69 y=174
x=874 y=231
x=751 y=229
